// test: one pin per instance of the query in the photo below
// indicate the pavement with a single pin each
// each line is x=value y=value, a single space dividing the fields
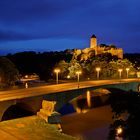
x=31 y=128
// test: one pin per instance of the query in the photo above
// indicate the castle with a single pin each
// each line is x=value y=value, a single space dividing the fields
x=95 y=49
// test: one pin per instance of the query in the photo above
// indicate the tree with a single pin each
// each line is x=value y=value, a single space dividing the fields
x=40 y=63
x=128 y=103
x=8 y=72
x=114 y=65
x=112 y=46
x=73 y=67
x=97 y=61
x=63 y=66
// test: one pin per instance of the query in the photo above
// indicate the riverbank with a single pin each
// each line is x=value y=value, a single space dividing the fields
x=31 y=128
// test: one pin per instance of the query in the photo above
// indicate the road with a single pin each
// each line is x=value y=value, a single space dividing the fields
x=48 y=89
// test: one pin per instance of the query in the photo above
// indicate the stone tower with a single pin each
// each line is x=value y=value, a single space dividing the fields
x=93 y=42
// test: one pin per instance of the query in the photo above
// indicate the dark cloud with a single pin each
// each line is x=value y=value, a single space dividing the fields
x=34 y=9
x=115 y=22
x=13 y=36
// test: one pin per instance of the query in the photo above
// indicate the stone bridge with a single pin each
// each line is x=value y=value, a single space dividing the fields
x=33 y=103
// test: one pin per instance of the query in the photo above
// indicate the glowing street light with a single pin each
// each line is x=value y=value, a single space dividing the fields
x=119 y=131
x=57 y=71
x=98 y=71
x=68 y=76
x=78 y=73
x=127 y=71
x=120 y=73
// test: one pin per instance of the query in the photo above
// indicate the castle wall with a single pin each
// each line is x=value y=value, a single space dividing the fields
x=113 y=51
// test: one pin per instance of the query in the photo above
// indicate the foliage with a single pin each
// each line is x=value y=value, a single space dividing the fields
x=109 y=67
x=128 y=102
x=40 y=63
x=112 y=46
x=8 y=72
x=120 y=64
x=73 y=67
x=134 y=58
x=63 y=66
x=43 y=64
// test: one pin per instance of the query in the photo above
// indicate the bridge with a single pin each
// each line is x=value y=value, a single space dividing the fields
x=31 y=98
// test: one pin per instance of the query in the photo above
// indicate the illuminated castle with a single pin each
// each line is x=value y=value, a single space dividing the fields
x=97 y=49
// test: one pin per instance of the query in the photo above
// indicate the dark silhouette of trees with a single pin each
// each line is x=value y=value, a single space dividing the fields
x=39 y=63
x=43 y=64
x=8 y=72
x=134 y=58
x=126 y=108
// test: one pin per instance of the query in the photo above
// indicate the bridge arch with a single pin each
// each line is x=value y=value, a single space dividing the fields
x=4 y=106
x=138 y=88
x=28 y=105
x=87 y=100
x=16 y=111
x=66 y=97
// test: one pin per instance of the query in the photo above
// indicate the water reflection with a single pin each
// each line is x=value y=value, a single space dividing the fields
x=90 y=121
x=88 y=99
x=85 y=102
x=26 y=85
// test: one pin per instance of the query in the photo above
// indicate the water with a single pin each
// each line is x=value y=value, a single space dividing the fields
x=87 y=117
x=84 y=103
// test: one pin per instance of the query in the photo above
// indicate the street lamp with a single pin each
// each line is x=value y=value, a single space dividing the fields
x=57 y=71
x=120 y=73
x=68 y=76
x=78 y=73
x=98 y=71
x=127 y=70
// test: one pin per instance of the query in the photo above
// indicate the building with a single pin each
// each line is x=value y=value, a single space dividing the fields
x=96 y=49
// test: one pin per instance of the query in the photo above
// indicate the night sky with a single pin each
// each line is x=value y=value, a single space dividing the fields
x=54 y=25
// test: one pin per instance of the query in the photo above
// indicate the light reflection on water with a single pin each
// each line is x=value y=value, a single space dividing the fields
x=86 y=102
x=81 y=105
x=88 y=98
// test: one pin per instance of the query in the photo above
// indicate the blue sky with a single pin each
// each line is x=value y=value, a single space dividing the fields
x=54 y=25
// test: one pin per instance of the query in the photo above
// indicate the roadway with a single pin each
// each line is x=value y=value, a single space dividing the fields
x=49 y=89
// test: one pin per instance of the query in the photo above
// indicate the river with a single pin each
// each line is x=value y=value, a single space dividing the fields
x=91 y=117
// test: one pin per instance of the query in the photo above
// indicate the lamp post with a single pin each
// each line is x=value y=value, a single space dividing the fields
x=57 y=71
x=98 y=71
x=127 y=71
x=78 y=73
x=120 y=73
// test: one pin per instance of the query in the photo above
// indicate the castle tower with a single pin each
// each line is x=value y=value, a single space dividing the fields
x=93 y=42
